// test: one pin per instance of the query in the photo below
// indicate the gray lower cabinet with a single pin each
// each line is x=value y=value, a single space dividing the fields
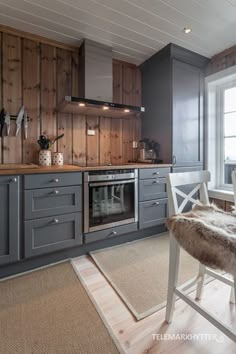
x=52 y=234
x=152 y=213
x=52 y=201
x=110 y=233
x=49 y=180
x=9 y=219
x=152 y=189
x=146 y=173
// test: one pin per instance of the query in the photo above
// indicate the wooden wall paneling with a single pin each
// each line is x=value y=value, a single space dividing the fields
x=127 y=137
x=31 y=98
x=48 y=91
x=105 y=141
x=78 y=121
x=117 y=81
x=12 y=94
x=128 y=84
x=116 y=141
x=138 y=78
x=92 y=141
x=64 y=86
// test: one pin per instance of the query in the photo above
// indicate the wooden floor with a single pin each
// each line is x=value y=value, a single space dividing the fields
x=137 y=337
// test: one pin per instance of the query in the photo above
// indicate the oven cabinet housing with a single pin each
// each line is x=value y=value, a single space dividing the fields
x=152 y=197
x=9 y=219
x=52 y=212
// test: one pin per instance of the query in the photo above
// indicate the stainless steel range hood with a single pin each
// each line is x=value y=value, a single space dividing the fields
x=96 y=85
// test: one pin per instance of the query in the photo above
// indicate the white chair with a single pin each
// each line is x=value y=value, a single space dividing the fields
x=199 y=180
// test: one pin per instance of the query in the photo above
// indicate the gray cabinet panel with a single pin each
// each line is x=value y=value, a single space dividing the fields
x=9 y=219
x=152 y=213
x=153 y=172
x=52 y=180
x=52 y=201
x=52 y=234
x=152 y=189
x=109 y=233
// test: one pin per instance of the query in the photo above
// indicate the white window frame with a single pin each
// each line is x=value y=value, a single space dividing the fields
x=215 y=86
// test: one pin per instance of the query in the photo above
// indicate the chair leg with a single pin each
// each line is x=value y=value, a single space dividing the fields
x=173 y=277
x=200 y=284
x=233 y=293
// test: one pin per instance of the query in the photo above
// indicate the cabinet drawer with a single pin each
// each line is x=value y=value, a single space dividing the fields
x=152 y=188
x=52 y=201
x=153 y=172
x=152 y=213
x=52 y=180
x=109 y=233
x=52 y=234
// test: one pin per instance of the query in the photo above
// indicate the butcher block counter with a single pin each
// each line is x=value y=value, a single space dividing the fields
x=24 y=169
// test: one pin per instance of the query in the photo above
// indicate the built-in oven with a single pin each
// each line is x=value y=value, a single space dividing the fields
x=110 y=198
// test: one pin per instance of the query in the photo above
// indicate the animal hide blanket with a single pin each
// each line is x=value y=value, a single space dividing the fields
x=208 y=234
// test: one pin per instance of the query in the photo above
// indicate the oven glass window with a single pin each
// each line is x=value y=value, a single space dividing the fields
x=111 y=203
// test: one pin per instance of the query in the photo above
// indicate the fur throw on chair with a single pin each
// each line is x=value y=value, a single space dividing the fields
x=208 y=234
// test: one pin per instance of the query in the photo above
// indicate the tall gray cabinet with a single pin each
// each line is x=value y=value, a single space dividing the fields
x=172 y=94
x=9 y=219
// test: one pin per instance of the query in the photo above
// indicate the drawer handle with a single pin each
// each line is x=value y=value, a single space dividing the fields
x=55 y=192
x=156 y=182
x=14 y=180
x=55 y=180
x=55 y=221
x=156 y=173
x=113 y=233
x=156 y=203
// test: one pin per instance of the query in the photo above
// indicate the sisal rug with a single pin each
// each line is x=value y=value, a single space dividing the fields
x=138 y=271
x=48 y=311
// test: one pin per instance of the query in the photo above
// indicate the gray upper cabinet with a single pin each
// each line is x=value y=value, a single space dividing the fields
x=172 y=94
x=9 y=219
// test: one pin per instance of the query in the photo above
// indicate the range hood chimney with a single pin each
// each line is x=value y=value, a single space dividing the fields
x=96 y=85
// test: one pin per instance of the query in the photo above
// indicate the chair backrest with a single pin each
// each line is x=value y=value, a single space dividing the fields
x=234 y=185
x=199 y=181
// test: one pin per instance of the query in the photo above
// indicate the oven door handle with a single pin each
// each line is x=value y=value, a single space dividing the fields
x=110 y=183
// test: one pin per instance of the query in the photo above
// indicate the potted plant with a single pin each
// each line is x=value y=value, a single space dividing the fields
x=45 y=158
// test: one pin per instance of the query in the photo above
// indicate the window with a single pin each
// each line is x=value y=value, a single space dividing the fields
x=221 y=128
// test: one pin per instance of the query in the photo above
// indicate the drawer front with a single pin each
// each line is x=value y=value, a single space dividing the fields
x=152 y=213
x=52 y=180
x=52 y=234
x=52 y=201
x=153 y=172
x=110 y=233
x=152 y=189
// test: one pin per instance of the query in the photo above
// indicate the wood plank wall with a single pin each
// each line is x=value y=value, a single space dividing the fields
x=222 y=61
x=38 y=75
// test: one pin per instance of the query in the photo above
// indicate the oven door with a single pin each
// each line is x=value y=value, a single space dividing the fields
x=109 y=204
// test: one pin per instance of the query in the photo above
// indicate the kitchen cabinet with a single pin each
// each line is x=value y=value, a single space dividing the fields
x=172 y=94
x=9 y=219
x=52 y=212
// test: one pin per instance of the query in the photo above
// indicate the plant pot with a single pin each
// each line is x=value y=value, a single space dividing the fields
x=45 y=158
x=57 y=159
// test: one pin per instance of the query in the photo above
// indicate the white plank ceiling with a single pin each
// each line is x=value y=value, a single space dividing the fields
x=135 y=29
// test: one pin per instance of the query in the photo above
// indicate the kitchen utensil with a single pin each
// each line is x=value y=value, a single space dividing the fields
x=8 y=122
x=19 y=119
x=25 y=124
x=57 y=158
x=2 y=121
x=45 y=158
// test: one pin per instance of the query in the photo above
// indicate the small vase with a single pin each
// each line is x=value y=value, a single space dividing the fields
x=45 y=158
x=57 y=159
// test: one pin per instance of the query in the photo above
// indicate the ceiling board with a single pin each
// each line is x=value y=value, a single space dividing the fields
x=135 y=29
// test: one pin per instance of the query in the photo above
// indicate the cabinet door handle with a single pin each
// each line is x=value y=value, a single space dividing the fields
x=156 y=182
x=156 y=203
x=113 y=233
x=174 y=159
x=55 y=192
x=14 y=180
x=55 y=221
x=55 y=180
x=156 y=173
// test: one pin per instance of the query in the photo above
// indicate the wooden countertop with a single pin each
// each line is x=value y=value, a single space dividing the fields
x=23 y=169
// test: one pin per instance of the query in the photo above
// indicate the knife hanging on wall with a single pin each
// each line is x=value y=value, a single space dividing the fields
x=19 y=119
x=8 y=122
x=2 y=121
x=26 y=124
